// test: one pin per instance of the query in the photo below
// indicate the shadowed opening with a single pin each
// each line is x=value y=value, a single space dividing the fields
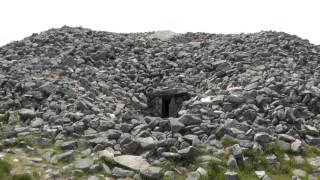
x=166 y=104
x=165 y=107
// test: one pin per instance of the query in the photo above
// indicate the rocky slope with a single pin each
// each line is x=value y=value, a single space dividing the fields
x=145 y=105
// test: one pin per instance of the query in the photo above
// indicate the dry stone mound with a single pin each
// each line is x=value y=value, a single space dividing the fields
x=158 y=96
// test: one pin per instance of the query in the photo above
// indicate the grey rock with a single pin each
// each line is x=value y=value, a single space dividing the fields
x=93 y=178
x=64 y=157
x=232 y=163
x=137 y=163
x=260 y=174
x=189 y=119
x=37 y=122
x=106 y=154
x=99 y=140
x=262 y=137
x=130 y=146
x=315 y=162
x=147 y=142
x=176 y=125
x=221 y=131
x=296 y=146
x=189 y=152
x=83 y=164
x=295 y=178
x=286 y=138
x=68 y=145
x=170 y=155
x=105 y=125
x=299 y=173
x=106 y=169
x=285 y=146
x=202 y=172
x=312 y=140
x=194 y=175
x=169 y=174
x=27 y=113
x=122 y=173
x=152 y=172
x=229 y=175
x=298 y=160
x=95 y=168
x=311 y=130
x=236 y=151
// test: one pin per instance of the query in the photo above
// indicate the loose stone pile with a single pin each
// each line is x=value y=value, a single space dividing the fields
x=138 y=101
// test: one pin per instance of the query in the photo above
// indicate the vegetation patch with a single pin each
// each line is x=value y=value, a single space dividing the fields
x=4 y=118
x=5 y=168
x=228 y=141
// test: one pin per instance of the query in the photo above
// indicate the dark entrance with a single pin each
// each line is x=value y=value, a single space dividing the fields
x=167 y=103
x=165 y=106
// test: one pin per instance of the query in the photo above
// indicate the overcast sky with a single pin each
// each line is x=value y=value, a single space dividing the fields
x=21 y=18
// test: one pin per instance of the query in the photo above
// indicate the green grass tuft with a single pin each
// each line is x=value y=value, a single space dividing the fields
x=5 y=168
x=311 y=151
x=22 y=177
x=228 y=141
x=216 y=169
x=4 y=118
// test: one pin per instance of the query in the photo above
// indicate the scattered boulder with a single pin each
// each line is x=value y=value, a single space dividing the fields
x=152 y=172
x=136 y=163
x=262 y=137
x=83 y=164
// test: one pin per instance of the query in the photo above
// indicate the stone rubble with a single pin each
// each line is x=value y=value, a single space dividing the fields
x=140 y=98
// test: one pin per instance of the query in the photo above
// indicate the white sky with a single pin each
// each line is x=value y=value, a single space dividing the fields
x=21 y=18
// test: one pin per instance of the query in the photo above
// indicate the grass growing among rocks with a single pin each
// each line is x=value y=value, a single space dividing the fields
x=216 y=170
x=5 y=172
x=5 y=168
x=228 y=141
x=4 y=118
x=257 y=161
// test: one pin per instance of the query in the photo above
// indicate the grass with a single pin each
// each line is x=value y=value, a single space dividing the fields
x=216 y=169
x=247 y=176
x=228 y=141
x=4 y=118
x=311 y=151
x=5 y=168
x=257 y=161
x=280 y=176
x=22 y=177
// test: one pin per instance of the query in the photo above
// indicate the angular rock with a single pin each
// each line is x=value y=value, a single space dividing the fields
x=147 y=142
x=37 y=122
x=229 y=175
x=296 y=146
x=68 y=145
x=176 y=125
x=189 y=119
x=262 y=137
x=64 y=157
x=136 y=163
x=83 y=164
x=27 y=113
x=313 y=140
x=152 y=172
x=194 y=175
x=122 y=173
x=189 y=152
